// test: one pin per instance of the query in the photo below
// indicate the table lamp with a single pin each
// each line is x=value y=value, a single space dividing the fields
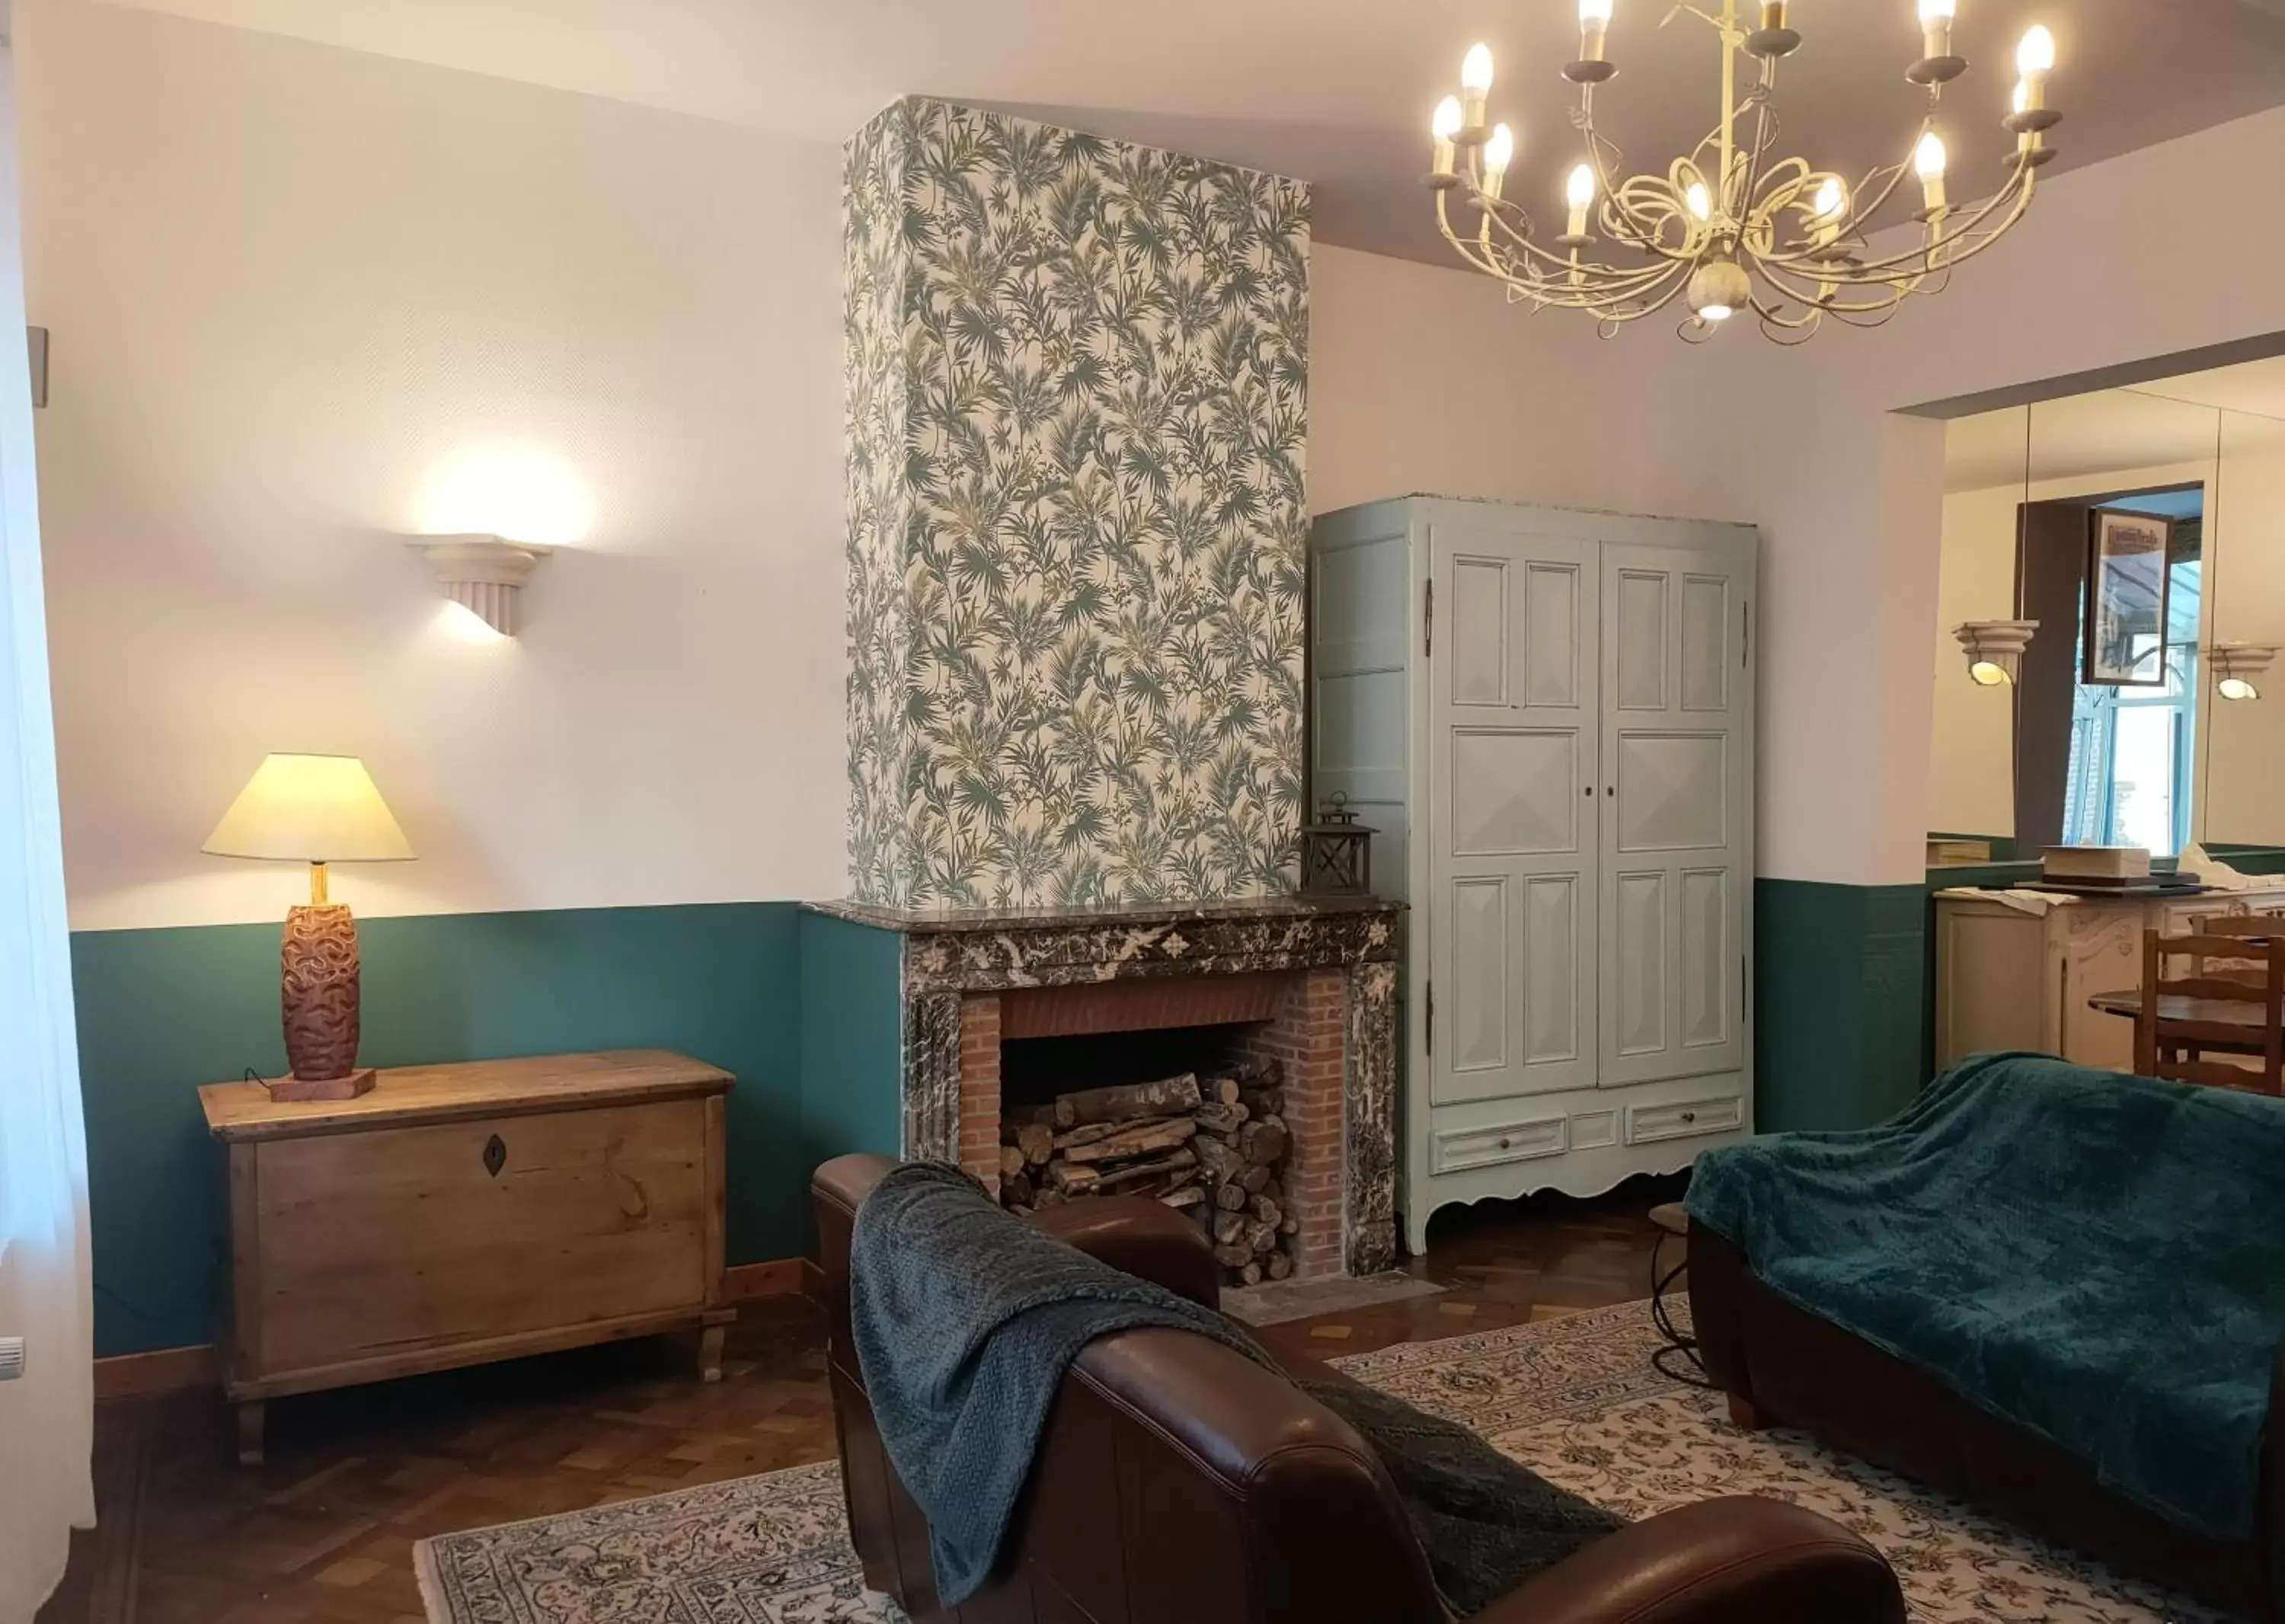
x=318 y=810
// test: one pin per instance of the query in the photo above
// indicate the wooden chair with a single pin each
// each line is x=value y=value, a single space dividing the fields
x=2233 y=1007
x=2263 y=926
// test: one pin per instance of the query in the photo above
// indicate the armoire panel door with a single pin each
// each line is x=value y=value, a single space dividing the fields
x=1512 y=757
x=1676 y=809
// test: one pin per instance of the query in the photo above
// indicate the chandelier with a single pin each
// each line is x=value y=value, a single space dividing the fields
x=1729 y=228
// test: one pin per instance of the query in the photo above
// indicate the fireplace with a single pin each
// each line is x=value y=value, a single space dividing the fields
x=1279 y=1010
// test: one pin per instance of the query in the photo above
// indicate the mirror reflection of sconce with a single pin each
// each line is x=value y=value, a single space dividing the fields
x=483 y=574
x=2235 y=665
x=1995 y=649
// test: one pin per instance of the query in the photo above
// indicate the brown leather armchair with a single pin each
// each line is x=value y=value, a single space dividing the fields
x=1179 y=1483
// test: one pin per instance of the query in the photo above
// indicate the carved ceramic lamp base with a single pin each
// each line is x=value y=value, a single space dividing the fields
x=319 y=992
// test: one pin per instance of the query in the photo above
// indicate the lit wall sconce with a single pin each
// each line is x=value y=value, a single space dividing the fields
x=1995 y=649
x=2235 y=665
x=483 y=574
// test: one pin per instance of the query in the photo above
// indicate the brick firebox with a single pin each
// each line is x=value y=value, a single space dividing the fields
x=1298 y=1019
x=1314 y=982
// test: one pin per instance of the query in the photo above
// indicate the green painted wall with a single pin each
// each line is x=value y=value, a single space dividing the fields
x=851 y=1037
x=1840 y=1025
x=162 y=1011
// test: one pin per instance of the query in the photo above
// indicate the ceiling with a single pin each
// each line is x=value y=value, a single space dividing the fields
x=1334 y=91
x=2169 y=422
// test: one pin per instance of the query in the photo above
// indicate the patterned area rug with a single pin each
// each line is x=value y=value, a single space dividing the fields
x=1575 y=1398
x=1304 y=1299
x=1576 y=1401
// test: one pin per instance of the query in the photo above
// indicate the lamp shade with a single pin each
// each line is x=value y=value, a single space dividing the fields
x=311 y=809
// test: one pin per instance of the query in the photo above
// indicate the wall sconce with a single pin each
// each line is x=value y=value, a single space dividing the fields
x=1995 y=649
x=2235 y=665
x=483 y=574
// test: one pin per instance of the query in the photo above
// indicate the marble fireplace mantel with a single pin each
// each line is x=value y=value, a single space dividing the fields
x=1342 y=953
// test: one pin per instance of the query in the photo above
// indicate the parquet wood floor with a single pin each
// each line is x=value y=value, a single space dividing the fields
x=323 y=1534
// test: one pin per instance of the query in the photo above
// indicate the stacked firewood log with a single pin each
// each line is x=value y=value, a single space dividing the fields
x=1215 y=1148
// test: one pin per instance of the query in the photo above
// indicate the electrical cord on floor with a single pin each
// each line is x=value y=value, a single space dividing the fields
x=171 y=1315
x=1679 y=1344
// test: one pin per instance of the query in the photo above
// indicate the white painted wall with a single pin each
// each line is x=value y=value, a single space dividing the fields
x=289 y=282
x=1423 y=380
x=305 y=301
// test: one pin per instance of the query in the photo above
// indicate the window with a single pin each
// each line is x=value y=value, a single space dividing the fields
x=2133 y=750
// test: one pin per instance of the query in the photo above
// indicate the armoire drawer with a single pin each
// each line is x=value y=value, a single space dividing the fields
x=1684 y=1119
x=1459 y=1149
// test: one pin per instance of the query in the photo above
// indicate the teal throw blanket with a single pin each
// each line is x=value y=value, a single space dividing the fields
x=2097 y=1257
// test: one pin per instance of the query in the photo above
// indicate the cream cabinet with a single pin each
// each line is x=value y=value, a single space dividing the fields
x=2013 y=970
x=1549 y=715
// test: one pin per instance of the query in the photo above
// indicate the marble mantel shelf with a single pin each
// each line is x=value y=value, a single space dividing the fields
x=987 y=949
x=934 y=921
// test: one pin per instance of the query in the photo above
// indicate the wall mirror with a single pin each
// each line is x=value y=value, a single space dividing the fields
x=2143 y=528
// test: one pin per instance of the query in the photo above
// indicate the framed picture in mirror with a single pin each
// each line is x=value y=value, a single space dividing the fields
x=2126 y=577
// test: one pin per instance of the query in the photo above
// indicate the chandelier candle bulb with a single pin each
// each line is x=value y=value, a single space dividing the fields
x=1445 y=127
x=2029 y=138
x=1772 y=39
x=1928 y=159
x=1831 y=209
x=2035 y=59
x=1594 y=29
x=1936 y=28
x=1499 y=152
x=1579 y=193
x=1726 y=227
x=1475 y=89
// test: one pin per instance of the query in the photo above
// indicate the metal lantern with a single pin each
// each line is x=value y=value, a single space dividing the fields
x=1337 y=853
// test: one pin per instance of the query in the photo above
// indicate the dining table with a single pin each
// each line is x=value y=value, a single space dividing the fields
x=2174 y=1006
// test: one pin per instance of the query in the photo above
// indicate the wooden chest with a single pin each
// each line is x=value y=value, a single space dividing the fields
x=461 y=1214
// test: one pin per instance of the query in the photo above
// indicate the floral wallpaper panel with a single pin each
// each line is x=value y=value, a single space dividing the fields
x=1077 y=405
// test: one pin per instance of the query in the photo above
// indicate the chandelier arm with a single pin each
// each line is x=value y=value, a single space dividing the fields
x=1621 y=302
x=1618 y=314
x=1590 y=290
x=1861 y=213
x=1494 y=260
x=1760 y=99
x=1780 y=330
x=1462 y=246
x=1608 y=279
x=1523 y=260
x=1650 y=242
x=2017 y=194
x=1610 y=301
x=1949 y=247
x=1890 y=293
x=1612 y=194
x=1826 y=301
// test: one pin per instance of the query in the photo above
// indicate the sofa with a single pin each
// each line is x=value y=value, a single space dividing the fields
x=2020 y=1291
x=1177 y=1482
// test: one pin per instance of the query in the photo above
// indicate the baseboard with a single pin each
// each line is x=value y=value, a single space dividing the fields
x=168 y=1369
x=746 y=1282
x=813 y=1281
